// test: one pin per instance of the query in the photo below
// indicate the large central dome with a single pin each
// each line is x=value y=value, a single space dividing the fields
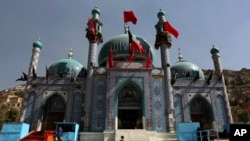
x=120 y=48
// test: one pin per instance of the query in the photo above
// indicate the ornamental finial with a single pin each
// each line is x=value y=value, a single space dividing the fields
x=70 y=54
x=180 y=55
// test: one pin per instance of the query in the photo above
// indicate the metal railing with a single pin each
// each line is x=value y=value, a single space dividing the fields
x=206 y=135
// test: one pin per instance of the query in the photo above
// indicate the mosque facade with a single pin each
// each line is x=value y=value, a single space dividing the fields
x=129 y=95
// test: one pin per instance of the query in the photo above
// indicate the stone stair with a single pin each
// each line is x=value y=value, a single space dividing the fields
x=166 y=136
x=132 y=135
x=143 y=135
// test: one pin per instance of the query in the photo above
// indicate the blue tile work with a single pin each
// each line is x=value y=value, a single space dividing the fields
x=178 y=109
x=38 y=108
x=123 y=81
x=99 y=103
x=30 y=107
x=221 y=112
x=158 y=103
x=116 y=80
x=77 y=107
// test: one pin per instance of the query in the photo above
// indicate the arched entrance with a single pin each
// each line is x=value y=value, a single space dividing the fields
x=53 y=111
x=201 y=111
x=129 y=108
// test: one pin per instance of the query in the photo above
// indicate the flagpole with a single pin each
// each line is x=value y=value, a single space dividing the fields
x=126 y=28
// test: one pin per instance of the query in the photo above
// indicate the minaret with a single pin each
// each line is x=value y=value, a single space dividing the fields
x=95 y=37
x=218 y=72
x=37 y=46
x=163 y=41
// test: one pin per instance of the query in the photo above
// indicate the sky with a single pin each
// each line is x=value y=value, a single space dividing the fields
x=61 y=24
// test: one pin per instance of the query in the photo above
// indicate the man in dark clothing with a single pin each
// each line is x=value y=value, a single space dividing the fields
x=59 y=133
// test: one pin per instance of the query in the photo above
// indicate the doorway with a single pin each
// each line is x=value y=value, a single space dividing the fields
x=129 y=108
x=53 y=111
x=201 y=111
x=129 y=119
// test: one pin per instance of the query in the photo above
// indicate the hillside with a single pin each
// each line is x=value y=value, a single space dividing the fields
x=238 y=88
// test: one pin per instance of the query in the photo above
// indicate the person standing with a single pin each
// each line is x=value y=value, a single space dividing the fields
x=122 y=138
x=59 y=133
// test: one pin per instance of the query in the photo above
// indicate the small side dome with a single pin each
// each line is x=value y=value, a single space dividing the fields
x=37 y=44
x=67 y=68
x=96 y=11
x=187 y=70
x=214 y=50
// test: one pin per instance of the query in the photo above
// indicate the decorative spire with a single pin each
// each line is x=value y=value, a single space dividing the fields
x=180 y=55
x=70 y=54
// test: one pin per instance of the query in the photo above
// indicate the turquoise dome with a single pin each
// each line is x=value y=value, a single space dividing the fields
x=186 y=70
x=66 y=68
x=214 y=50
x=37 y=44
x=120 y=48
x=160 y=13
x=96 y=10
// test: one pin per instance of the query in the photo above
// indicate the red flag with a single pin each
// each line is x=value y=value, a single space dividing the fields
x=129 y=16
x=170 y=29
x=133 y=46
x=110 y=59
x=148 y=60
x=136 y=46
x=131 y=54
x=91 y=26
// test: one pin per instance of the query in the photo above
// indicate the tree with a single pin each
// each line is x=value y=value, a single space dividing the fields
x=3 y=109
x=8 y=114
x=243 y=116
x=12 y=115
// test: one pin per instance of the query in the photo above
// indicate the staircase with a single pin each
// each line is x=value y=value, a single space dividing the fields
x=131 y=135
x=39 y=136
x=142 y=135
x=165 y=137
x=34 y=136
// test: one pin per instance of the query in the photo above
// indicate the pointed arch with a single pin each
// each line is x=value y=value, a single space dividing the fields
x=201 y=111
x=129 y=105
x=53 y=110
